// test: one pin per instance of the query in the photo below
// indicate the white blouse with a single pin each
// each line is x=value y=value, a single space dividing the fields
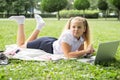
x=68 y=38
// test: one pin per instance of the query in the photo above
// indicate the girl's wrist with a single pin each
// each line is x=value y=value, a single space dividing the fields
x=85 y=51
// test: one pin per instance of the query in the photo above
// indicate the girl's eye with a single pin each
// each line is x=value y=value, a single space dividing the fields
x=76 y=27
x=79 y=26
x=73 y=26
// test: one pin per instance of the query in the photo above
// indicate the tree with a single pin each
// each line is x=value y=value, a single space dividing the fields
x=9 y=6
x=53 y=6
x=116 y=3
x=82 y=5
x=29 y=4
x=70 y=5
x=22 y=6
x=103 y=5
x=93 y=4
x=19 y=6
x=2 y=5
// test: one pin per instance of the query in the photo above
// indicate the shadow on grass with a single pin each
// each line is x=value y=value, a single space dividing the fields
x=114 y=63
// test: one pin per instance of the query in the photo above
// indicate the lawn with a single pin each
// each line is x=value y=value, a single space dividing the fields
x=101 y=30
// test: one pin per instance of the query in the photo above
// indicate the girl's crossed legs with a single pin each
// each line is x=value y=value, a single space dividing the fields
x=20 y=33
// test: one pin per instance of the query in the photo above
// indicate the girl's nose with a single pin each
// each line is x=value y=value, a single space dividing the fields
x=76 y=28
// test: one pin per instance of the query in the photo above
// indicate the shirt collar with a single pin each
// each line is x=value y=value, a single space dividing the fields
x=81 y=39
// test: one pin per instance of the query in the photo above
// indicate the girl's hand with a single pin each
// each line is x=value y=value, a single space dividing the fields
x=90 y=49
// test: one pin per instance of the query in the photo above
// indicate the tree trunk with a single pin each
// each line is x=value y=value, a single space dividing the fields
x=25 y=12
x=58 y=15
x=18 y=13
x=84 y=13
x=119 y=15
x=106 y=13
x=8 y=13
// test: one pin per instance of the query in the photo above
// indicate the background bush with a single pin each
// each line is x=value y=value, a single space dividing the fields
x=45 y=15
x=72 y=13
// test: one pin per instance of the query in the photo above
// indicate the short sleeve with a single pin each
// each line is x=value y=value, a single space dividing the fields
x=67 y=38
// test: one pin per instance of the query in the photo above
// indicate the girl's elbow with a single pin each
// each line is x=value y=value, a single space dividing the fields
x=67 y=55
x=70 y=56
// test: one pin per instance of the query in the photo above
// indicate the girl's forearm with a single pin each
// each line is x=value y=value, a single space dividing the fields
x=76 y=54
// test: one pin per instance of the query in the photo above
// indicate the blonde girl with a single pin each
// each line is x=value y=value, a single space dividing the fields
x=75 y=39
x=73 y=42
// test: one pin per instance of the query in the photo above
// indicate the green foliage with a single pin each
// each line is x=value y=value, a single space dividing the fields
x=2 y=5
x=93 y=4
x=102 y=5
x=116 y=3
x=48 y=15
x=72 y=13
x=16 y=6
x=69 y=5
x=21 y=6
x=81 y=4
x=53 y=5
x=28 y=4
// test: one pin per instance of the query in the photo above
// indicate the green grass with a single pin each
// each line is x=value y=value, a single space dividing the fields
x=101 y=30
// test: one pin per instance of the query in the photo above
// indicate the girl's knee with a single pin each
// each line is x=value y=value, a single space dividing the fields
x=22 y=46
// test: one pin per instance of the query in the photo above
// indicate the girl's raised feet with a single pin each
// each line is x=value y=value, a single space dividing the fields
x=40 y=22
x=18 y=19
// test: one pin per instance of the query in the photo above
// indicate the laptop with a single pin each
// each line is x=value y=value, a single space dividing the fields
x=105 y=53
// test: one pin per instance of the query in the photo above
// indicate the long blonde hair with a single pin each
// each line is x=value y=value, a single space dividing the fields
x=86 y=34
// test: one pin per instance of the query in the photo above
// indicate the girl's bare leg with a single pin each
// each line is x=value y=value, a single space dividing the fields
x=40 y=23
x=33 y=36
x=20 y=34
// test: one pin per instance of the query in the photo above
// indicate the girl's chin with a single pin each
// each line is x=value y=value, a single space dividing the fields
x=77 y=37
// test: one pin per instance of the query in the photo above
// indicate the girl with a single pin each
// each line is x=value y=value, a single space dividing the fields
x=74 y=41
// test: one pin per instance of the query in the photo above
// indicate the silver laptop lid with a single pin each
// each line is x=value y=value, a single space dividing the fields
x=106 y=52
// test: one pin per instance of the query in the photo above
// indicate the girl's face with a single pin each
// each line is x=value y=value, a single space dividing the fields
x=77 y=28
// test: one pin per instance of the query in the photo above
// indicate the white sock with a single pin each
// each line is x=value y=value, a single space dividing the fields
x=40 y=22
x=18 y=19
